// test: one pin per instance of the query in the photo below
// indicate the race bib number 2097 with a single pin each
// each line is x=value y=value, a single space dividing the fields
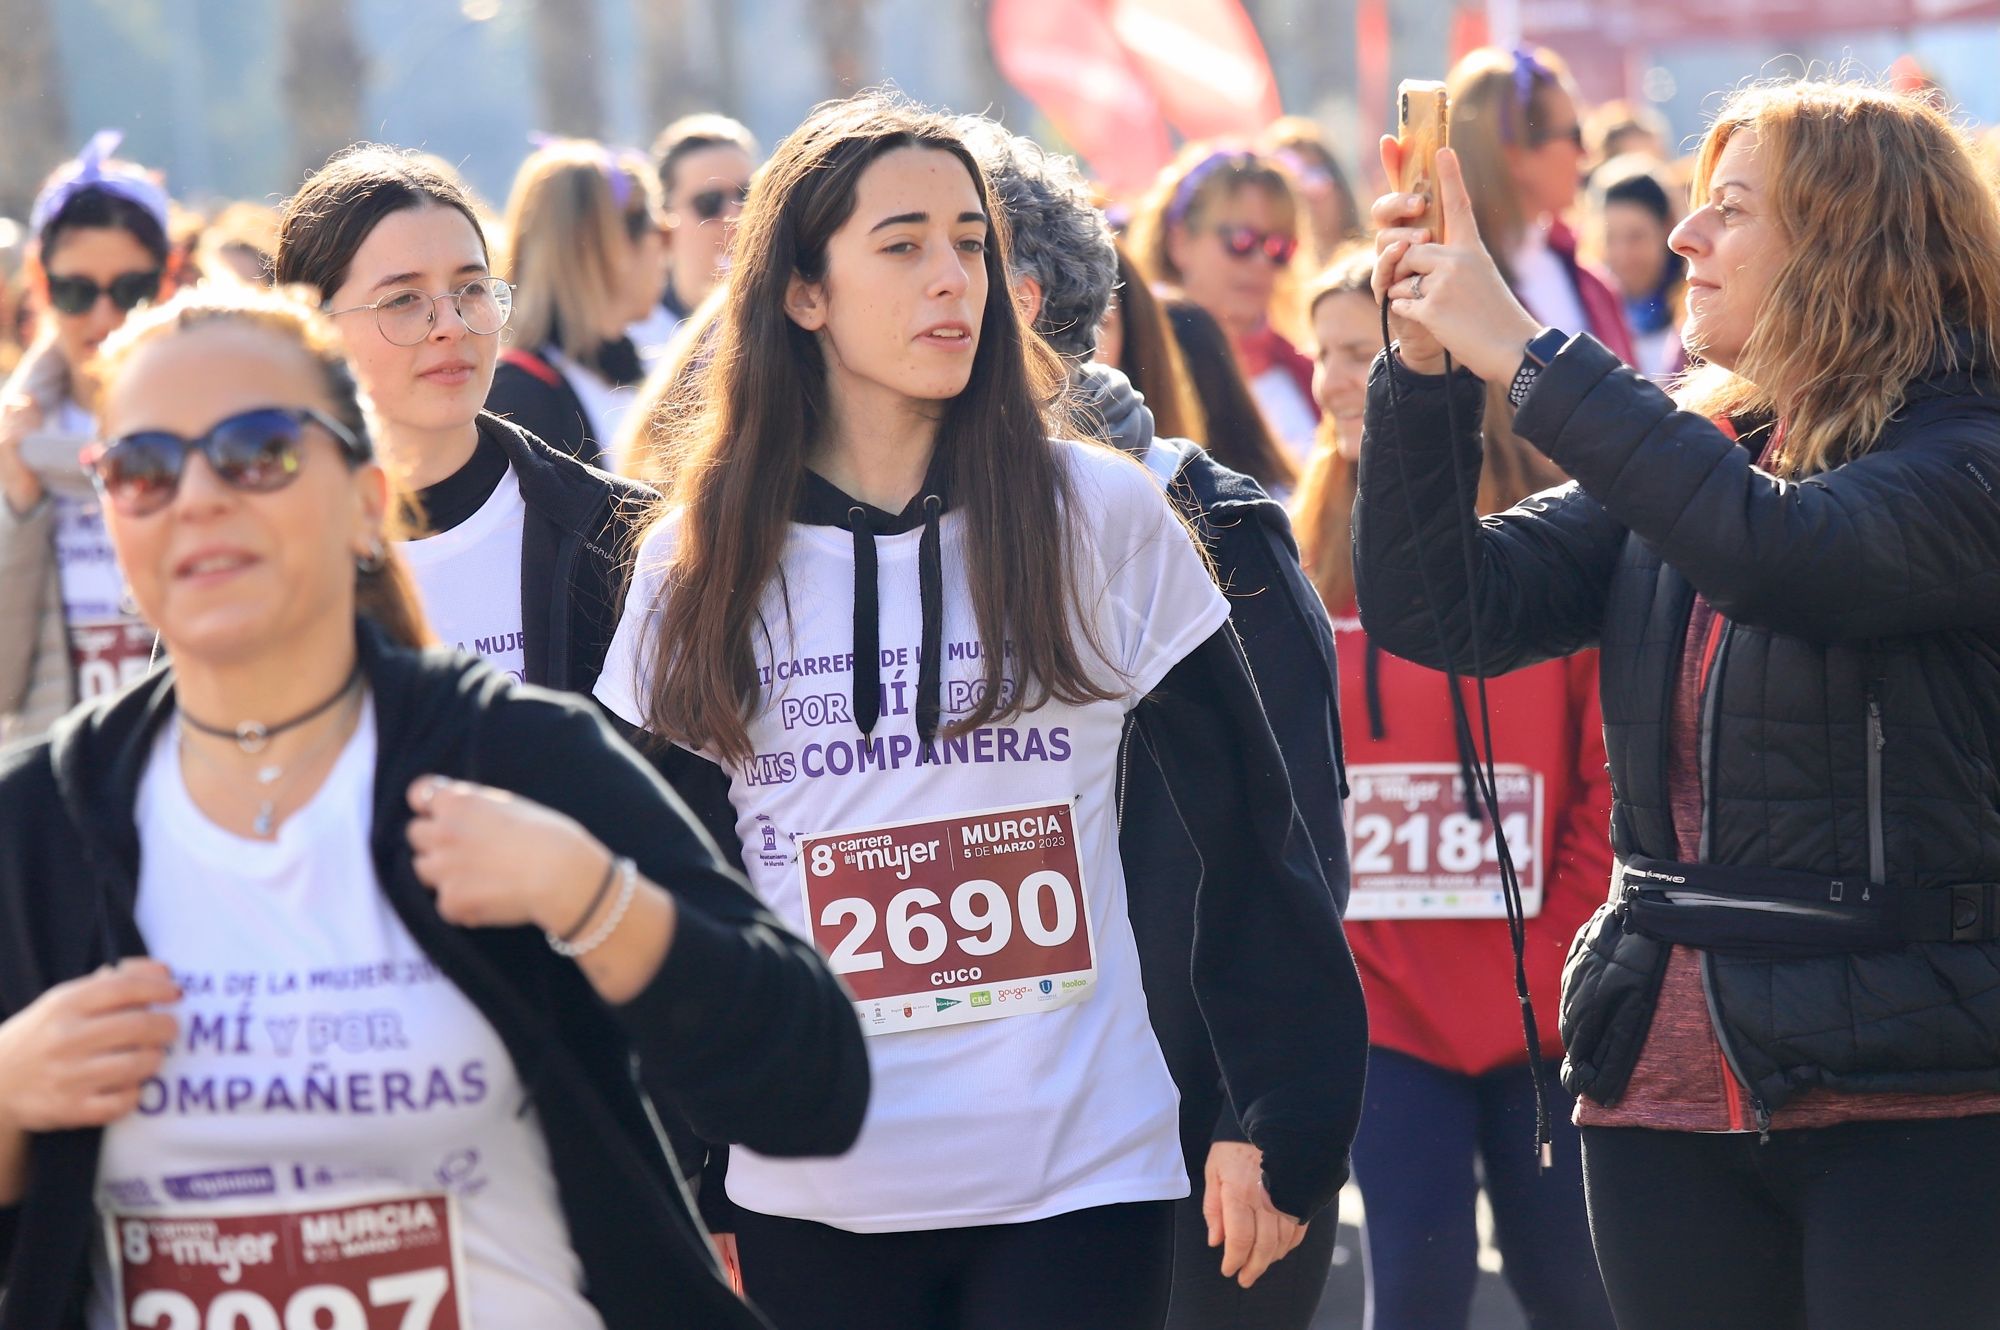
x=949 y=920
x=385 y=1265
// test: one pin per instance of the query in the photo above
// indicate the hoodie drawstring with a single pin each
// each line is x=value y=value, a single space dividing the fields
x=867 y=625
x=930 y=593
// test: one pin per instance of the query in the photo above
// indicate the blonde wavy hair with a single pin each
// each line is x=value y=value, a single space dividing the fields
x=1488 y=116
x=1893 y=269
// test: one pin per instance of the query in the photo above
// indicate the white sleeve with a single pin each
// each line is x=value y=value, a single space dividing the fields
x=1160 y=600
x=627 y=677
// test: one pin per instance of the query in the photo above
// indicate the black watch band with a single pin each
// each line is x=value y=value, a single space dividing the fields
x=1541 y=350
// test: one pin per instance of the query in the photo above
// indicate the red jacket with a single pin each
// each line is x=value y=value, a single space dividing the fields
x=1442 y=989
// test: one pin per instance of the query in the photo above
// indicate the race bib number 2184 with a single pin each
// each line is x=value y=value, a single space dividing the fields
x=956 y=919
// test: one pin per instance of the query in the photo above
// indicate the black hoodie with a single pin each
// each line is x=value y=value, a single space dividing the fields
x=1248 y=978
x=1177 y=838
x=580 y=531
x=744 y=1031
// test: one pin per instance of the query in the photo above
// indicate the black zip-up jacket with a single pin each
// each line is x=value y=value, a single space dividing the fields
x=752 y=1036
x=1176 y=845
x=1850 y=723
x=581 y=529
x=1249 y=950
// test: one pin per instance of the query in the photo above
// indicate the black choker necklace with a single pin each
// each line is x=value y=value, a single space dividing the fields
x=252 y=737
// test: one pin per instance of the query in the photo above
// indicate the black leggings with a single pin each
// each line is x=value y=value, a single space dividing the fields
x=1866 y=1226
x=1107 y=1268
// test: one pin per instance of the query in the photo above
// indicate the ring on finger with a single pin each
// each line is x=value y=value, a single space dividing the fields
x=1417 y=287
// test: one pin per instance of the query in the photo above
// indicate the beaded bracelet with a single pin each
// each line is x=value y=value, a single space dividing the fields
x=627 y=889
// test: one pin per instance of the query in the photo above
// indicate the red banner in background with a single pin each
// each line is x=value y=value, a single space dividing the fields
x=1112 y=74
x=1068 y=60
x=1204 y=60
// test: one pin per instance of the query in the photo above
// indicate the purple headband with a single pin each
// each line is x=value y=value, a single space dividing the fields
x=93 y=170
x=607 y=162
x=1183 y=199
x=1527 y=72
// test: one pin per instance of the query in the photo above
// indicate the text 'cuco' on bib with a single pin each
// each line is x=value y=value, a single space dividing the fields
x=949 y=920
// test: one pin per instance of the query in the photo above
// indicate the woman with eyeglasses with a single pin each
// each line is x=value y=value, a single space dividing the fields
x=67 y=629
x=519 y=548
x=586 y=257
x=1222 y=226
x=329 y=959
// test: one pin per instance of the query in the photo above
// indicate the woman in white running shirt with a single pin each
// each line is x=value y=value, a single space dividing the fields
x=410 y=929
x=903 y=630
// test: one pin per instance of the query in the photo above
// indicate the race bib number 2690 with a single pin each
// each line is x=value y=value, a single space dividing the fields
x=389 y=1265
x=949 y=920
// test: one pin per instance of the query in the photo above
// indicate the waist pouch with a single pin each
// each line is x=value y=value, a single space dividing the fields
x=1774 y=912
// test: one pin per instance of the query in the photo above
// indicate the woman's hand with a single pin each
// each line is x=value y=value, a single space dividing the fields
x=1254 y=1234
x=20 y=487
x=496 y=859
x=1395 y=237
x=1453 y=291
x=78 y=1055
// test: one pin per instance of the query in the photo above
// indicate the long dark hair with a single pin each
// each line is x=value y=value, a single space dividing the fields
x=1151 y=357
x=766 y=404
x=341 y=204
x=1237 y=432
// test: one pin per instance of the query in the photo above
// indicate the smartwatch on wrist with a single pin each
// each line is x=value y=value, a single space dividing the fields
x=1542 y=348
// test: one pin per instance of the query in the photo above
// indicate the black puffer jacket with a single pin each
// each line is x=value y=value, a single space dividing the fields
x=1851 y=723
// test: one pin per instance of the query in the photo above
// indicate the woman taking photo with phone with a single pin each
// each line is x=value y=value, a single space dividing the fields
x=1451 y=1087
x=903 y=631
x=67 y=630
x=334 y=958
x=521 y=555
x=1782 y=1027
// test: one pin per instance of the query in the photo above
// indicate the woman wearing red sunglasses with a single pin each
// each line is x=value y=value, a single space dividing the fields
x=1222 y=225
x=332 y=965
x=67 y=630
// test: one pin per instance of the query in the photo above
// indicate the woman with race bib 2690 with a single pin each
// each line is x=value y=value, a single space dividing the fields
x=903 y=630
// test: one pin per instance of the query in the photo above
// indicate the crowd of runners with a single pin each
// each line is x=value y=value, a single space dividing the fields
x=868 y=737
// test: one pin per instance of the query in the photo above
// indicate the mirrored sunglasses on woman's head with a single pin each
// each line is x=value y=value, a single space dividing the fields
x=1243 y=241
x=406 y=316
x=128 y=291
x=256 y=451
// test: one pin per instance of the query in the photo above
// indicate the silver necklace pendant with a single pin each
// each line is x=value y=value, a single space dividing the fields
x=251 y=737
x=265 y=813
x=268 y=775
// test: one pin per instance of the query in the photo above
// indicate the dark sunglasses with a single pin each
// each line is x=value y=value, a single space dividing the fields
x=1572 y=136
x=708 y=205
x=256 y=451
x=128 y=291
x=1243 y=241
